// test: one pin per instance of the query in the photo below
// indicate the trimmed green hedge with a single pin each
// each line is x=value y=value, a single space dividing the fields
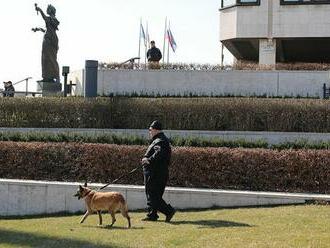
x=108 y=138
x=242 y=169
x=238 y=114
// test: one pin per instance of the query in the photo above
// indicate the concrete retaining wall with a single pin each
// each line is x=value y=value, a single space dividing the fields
x=207 y=83
x=270 y=137
x=37 y=198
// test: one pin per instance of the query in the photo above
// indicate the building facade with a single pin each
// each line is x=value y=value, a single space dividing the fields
x=271 y=31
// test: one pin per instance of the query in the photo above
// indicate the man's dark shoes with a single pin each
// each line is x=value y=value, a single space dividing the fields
x=149 y=219
x=170 y=216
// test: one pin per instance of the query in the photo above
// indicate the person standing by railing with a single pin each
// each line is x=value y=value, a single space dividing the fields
x=9 y=89
x=154 y=55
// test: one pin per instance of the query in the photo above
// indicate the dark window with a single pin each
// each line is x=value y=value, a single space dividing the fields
x=231 y=3
x=299 y=2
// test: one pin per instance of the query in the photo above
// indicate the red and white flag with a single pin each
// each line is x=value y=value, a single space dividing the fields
x=171 y=40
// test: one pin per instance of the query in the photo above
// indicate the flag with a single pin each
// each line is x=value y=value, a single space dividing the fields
x=143 y=35
x=171 y=40
x=147 y=37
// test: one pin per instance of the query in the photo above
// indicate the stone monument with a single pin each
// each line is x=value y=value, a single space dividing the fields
x=50 y=83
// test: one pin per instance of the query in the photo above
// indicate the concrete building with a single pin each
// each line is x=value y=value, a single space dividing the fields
x=271 y=31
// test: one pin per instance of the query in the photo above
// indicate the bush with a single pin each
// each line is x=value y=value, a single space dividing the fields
x=55 y=112
x=238 y=114
x=241 y=169
x=239 y=65
x=120 y=139
x=232 y=114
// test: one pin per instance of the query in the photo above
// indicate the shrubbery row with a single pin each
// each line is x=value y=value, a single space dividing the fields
x=237 y=114
x=239 y=65
x=220 y=168
x=121 y=139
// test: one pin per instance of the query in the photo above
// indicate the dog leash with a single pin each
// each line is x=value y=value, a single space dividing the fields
x=114 y=181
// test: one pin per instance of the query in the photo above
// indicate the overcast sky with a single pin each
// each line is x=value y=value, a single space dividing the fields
x=105 y=30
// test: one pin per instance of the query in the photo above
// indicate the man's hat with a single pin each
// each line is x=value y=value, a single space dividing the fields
x=156 y=125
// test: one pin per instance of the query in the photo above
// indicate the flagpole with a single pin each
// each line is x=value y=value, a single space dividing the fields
x=146 y=45
x=222 y=55
x=164 y=44
x=168 y=43
x=140 y=41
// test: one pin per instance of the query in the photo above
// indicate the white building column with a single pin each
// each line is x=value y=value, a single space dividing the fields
x=267 y=52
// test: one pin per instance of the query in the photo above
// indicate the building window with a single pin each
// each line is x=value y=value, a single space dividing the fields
x=299 y=2
x=231 y=3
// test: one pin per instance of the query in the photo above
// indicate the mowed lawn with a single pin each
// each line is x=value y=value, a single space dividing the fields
x=290 y=226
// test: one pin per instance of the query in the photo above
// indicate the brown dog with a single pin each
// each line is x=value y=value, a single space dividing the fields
x=103 y=201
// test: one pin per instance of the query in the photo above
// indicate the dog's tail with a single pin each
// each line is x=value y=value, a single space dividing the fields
x=124 y=212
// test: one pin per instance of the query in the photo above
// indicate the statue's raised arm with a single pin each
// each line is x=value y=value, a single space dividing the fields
x=40 y=10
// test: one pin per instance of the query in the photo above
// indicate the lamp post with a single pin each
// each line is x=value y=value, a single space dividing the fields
x=65 y=72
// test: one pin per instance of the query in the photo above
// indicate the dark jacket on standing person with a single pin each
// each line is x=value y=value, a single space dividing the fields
x=9 y=89
x=156 y=175
x=159 y=156
x=154 y=54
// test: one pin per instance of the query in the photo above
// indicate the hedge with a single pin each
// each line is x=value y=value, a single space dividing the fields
x=237 y=114
x=241 y=169
x=123 y=139
x=239 y=65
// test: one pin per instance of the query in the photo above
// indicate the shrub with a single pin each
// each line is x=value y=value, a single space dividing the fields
x=239 y=65
x=238 y=114
x=241 y=169
x=121 y=139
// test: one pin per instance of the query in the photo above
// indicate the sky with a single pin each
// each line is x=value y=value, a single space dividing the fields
x=105 y=30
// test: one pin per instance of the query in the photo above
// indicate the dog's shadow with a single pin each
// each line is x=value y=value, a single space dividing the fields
x=210 y=223
x=109 y=227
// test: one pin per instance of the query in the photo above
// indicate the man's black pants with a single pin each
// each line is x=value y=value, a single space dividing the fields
x=155 y=187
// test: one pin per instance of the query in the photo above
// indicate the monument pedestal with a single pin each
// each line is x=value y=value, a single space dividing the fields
x=50 y=88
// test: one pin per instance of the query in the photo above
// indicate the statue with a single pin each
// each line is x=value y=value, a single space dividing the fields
x=50 y=68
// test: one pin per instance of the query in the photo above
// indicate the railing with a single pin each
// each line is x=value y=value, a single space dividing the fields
x=232 y=3
x=130 y=61
x=23 y=93
x=26 y=92
x=304 y=2
x=326 y=92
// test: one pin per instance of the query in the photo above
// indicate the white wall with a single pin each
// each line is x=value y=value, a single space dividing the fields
x=216 y=83
x=288 y=21
x=78 y=78
x=252 y=21
x=20 y=198
x=301 y=20
x=228 y=24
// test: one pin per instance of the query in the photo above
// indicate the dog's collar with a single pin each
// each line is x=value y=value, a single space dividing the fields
x=87 y=193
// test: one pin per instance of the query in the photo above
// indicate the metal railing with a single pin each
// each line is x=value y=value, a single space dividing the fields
x=303 y=2
x=232 y=3
x=326 y=92
x=26 y=92
x=23 y=93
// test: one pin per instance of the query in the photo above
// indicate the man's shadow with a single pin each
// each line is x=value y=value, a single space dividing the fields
x=210 y=223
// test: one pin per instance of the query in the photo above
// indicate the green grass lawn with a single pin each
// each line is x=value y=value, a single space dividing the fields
x=292 y=226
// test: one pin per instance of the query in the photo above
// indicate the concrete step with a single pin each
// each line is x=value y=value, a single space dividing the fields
x=20 y=197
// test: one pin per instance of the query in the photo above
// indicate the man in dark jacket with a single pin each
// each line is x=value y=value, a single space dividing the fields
x=9 y=89
x=155 y=169
x=154 y=55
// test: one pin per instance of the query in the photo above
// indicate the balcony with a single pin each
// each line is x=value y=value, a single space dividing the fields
x=299 y=29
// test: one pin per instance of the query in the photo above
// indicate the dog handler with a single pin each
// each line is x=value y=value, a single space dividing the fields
x=155 y=169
